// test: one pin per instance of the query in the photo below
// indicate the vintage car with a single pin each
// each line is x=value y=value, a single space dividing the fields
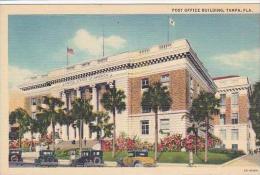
x=136 y=159
x=15 y=156
x=46 y=158
x=89 y=158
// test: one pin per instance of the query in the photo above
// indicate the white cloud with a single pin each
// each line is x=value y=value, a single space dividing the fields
x=241 y=59
x=85 y=41
x=17 y=75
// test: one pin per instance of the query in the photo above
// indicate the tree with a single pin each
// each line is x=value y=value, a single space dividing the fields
x=157 y=97
x=51 y=113
x=67 y=119
x=203 y=108
x=197 y=121
x=82 y=111
x=255 y=109
x=21 y=117
x=113 y=101
x=33 y=128
x=102 y=127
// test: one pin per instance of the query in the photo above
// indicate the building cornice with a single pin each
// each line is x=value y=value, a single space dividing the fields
x=130 y=64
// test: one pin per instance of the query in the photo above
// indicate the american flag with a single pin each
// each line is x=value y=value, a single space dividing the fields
x=70 y=51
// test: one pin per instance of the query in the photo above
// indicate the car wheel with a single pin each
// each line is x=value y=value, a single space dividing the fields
x=138 y=164
x=86 y=164
x=97 y=161
x=14 y=158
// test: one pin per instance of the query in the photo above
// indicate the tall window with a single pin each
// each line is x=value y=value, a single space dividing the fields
x=234 y=134
x=223 y=134
x=222 y=119
x=234 y=118
x=145 y=83
x=234 y=99
x=165 y=125
x=145 y=127
x=222 y=99
x=33 y=101
x=146 y=109
x=39 y=101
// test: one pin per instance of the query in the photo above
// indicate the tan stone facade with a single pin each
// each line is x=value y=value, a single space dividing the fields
x=186 y=77
x=233 y=125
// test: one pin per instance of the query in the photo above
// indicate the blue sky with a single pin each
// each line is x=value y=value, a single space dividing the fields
x=226 y=44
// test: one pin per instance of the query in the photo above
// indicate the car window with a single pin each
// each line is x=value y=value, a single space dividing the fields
x=47 y=153
x=142 y=154
x=85 y=153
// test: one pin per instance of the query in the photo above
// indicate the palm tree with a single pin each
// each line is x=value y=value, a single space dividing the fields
x=102 y=125
x=203 y=108
x=51 y=113
x=82 y=110
x=33 y=128
x=113 y=101
x=196 y=120
x=21 y=117
x=67 y=119
x=157 y=97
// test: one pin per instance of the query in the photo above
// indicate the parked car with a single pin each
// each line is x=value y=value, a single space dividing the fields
x=89 y=158
x=136 y=159
x=15 y=156
x=46 y=158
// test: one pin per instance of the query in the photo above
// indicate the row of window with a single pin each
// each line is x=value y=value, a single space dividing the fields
x=234 y=99
x=234 y=119
x=234 y=134
x=37 y=101
x=164 y=126
x=145 y=81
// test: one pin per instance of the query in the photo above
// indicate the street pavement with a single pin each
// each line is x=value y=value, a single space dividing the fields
x=246 y=161
x=248 y=165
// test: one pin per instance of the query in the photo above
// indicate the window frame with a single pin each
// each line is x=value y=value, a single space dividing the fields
x=234 y=101
x=146 y=84
x=234 y=118
x=222 y=116
x=145 y=127
x=223 y=101
x=163 y=79
x=165 y=129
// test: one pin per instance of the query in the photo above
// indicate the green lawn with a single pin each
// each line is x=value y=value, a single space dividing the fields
x=169 y=157
x=182 y=157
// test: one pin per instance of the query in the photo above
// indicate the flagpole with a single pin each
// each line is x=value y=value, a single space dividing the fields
x=67 y=57
x=103 y=40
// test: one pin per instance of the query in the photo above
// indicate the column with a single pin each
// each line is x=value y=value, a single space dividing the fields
x=94 y=98
x=78 y=92
x=69 y=100
x=63 y=98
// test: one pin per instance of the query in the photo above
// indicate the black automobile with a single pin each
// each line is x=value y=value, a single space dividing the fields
x=89 y=158
x=46 y=158
x=15 y=156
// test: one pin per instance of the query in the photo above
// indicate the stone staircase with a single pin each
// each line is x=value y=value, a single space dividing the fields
x=66 y=145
